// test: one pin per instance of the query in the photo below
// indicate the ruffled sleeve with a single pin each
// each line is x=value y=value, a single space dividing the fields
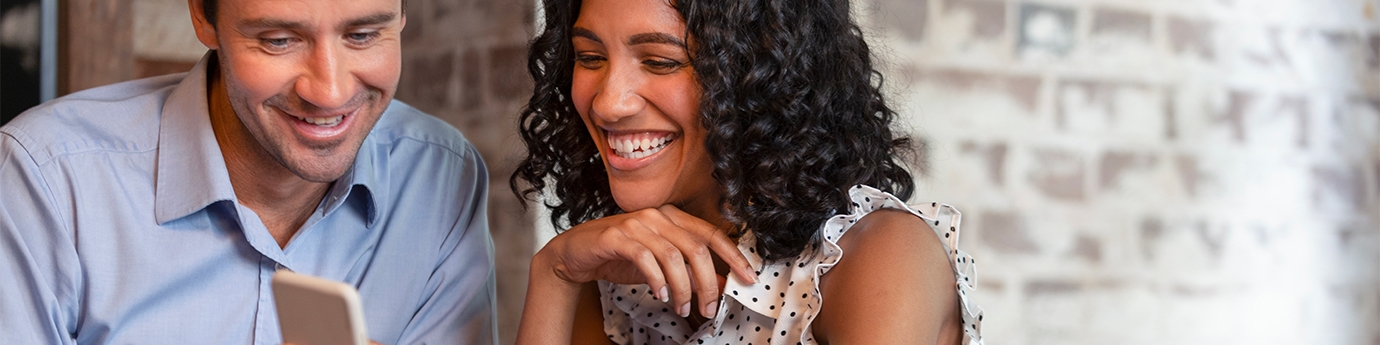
x=943 y=219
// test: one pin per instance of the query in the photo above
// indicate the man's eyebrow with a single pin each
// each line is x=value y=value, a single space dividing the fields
x=274 y=23
x=656 y=38
x=582 y=32
x=271 y=23
x=373 y=19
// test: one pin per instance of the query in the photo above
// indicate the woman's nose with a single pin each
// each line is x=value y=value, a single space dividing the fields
x=618 y=96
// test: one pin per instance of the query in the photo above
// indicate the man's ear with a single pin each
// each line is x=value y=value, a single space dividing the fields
x=205 y=31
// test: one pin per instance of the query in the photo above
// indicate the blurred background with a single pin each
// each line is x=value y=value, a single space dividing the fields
x=1133 y=172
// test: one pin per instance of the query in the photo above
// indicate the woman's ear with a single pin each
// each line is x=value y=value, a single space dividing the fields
x=205 y=31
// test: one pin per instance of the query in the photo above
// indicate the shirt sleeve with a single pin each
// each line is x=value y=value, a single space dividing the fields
x=462 y=305
x=38 y=260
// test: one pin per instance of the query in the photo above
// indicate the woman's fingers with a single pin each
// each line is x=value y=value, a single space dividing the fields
x=716 y=239
x=701 y=267
x=639 y=255
x=672 y=250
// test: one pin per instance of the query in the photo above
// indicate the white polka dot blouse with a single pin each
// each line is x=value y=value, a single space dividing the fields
x=779 y=309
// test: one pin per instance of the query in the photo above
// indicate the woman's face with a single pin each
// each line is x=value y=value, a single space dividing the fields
x=637 y=94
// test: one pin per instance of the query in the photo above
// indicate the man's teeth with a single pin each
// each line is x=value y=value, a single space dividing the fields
x=322 y=121
x=638 y=148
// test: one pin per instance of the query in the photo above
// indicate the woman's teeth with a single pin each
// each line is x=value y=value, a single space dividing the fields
x=322 y=121
x=634 y=148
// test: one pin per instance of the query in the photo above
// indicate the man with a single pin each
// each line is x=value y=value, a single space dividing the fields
x=156 y=211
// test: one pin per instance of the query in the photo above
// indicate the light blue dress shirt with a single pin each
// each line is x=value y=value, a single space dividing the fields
x=118 y=225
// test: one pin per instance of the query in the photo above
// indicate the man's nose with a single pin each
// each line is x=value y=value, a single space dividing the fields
x=326 y=81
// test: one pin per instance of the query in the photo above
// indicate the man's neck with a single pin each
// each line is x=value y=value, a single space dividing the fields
x=282 y=200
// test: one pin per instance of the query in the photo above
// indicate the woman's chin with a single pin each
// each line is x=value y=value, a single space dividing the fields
x=633 y=198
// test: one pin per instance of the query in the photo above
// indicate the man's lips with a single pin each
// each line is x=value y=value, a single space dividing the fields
x=321 y=126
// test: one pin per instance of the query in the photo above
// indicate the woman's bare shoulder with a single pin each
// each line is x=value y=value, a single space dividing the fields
x=894 y=281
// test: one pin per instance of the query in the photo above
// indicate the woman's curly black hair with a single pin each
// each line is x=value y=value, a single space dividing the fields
x=791 y=103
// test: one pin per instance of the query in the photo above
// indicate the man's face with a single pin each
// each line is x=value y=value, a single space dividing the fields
x=308 y=78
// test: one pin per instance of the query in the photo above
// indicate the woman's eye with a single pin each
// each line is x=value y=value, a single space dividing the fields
x=661 y=65
x=589 y=61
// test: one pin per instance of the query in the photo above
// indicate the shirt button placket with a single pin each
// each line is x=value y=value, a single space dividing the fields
x=266 y=316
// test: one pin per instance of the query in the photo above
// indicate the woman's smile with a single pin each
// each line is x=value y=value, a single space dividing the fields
x=629 y=149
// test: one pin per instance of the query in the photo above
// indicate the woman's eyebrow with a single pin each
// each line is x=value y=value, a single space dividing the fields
x=656 y=38
x=582 y=32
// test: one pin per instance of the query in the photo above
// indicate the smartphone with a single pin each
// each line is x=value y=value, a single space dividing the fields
x=316 y=311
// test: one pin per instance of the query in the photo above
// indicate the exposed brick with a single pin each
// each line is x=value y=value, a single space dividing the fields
x=1186 y=290
x=1192 y=36
x=1121 y=23
x=1190 y=174
x=1151 y=230
x=1114 y=163
x=991 y=286
x=1373 y=51
x=429 y=81
x=993 y=156
x=1025 y=89
x=1087 y=248
x=1006 y=232
x=1295 y=107
x=508 y=78
x=1344 y=184
x=1092 y=105
x=1234 y=117
x=907 y=17
x=1213 y=238
x=1051 y=287
x=919 y=161
x=471 y=90
x=415 y=26
x=1277 y=53
x=1060 y=174
x=989 y=16
x=1046 y=30
x=1171 y=116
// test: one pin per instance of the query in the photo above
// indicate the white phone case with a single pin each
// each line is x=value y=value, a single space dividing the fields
x=315 y=311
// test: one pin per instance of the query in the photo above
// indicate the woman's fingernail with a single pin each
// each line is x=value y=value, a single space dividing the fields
x=684 y=310
x=710 y=310
x=665 y=296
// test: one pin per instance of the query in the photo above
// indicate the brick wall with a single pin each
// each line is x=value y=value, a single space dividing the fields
x=465 y=62
x=1152 y=172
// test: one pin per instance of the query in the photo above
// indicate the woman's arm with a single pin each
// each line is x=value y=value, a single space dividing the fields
x=894 y=285
x=548 y=313
x=664 y=248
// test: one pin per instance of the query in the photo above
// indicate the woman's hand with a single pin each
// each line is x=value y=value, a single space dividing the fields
x=666 y=248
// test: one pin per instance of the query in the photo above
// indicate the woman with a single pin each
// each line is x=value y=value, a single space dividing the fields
x=714 y=161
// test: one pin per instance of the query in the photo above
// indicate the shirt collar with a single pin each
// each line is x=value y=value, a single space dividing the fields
x=191 y=172
x=367 y=172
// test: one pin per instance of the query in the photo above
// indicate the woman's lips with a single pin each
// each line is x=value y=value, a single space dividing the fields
x=638 y=145
x=631 y=150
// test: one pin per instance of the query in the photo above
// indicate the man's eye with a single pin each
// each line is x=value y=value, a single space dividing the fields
x=361 y=37
x=275 y=43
